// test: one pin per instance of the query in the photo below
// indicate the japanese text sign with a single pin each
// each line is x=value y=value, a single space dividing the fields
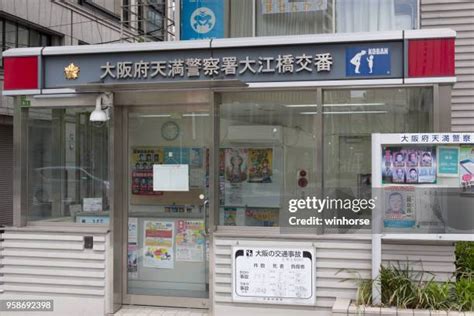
x=303 y=62
x=273 y=275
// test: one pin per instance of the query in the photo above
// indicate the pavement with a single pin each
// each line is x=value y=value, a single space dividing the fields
x=135 y=310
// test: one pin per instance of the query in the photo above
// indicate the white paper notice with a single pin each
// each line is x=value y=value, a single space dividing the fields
x=132 y=230
x=170 y=177
x=92 y=204
x=274 y=275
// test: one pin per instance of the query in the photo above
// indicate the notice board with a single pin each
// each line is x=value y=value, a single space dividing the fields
x=273 y=275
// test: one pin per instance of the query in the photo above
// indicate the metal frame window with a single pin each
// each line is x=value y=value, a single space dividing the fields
x=14 y=34
x=400 y=5
x=437 y=123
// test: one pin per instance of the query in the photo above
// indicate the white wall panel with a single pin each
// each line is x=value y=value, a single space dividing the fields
x=46 y=265
x=338 y=258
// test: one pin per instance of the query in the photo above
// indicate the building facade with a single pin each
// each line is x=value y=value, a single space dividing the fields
x=456 y=16
x=47 y=23
x=157 y=173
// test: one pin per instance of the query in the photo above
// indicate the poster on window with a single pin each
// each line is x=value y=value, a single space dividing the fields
x=132 y=249
x=466 y=168
x=288 y=6
x=142 y=161
x=412 y=165
x=250 y=177
x=190 y=240
x=132 y=230
x=400 y=205
x=262 y=217
x=158 y=244
x=260 y=165
x=236 y=165
x=132 y=259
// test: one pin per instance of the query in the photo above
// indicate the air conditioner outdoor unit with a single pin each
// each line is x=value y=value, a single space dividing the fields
x=254 y=134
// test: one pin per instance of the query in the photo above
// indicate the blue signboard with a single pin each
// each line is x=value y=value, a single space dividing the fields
x=202 y=19
x=368 y=61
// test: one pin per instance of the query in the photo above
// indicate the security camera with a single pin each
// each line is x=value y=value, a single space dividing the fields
x=103 y=102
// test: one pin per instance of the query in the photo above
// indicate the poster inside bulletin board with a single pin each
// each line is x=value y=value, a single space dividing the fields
x=409 y=164
x=466 y=168
x=251 y=176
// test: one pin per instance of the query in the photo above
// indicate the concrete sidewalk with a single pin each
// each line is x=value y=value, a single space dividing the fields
x=135 y=310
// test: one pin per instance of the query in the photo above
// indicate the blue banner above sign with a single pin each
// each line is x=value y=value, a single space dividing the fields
x=202 y=19
x=368 y=61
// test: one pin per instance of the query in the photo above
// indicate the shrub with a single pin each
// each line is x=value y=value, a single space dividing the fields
x=464 y=258
x=403 y=287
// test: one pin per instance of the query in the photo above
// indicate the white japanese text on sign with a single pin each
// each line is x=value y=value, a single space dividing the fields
x=210 y=67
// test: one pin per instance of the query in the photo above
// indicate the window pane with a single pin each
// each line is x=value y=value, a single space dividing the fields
x=293 y=17
x=1 y=35
x=67 y=162
x=22 y=36
x=406 y=14
x=1 y=42
x=375 y=15
x=350 y=117
x=10 y=35
x=267 y=139
x=35 y=38
x=240 y=17
x=45 y=40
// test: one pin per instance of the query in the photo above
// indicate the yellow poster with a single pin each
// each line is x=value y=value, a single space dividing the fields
x=260 y=165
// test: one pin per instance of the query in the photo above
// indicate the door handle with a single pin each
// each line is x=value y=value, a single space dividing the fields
x=206 y=216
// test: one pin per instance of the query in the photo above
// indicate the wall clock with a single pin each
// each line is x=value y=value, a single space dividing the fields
x=170 y=130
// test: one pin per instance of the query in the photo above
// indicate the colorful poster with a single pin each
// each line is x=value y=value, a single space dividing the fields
x=142 y=161
x=230 y=216
x=448 y=160
x=260 y=165
x=236 y=165
x=190 y=240
x=400 y=207
x=132 y=259
x=466 y=168
x=409 y=164
x=158 y=244
x=132 y=249
x=262 y=217
x=250 y=177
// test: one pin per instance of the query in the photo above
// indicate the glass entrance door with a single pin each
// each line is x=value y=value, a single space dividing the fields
x=168 y=208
